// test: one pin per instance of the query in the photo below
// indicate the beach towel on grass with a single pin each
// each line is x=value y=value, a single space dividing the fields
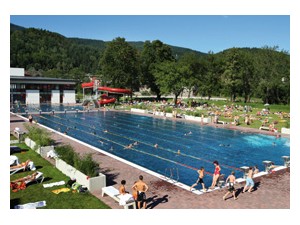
x=57 y=191
x=54 y=184
x=32 y=205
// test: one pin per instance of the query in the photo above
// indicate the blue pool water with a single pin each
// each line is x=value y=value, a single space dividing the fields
x=205 y=144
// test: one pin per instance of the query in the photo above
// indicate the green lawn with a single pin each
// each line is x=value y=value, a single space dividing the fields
x=36 y=192
x=256 y=106
x=12 y=137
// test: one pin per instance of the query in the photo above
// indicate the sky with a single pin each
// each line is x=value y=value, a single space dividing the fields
x=202 y=33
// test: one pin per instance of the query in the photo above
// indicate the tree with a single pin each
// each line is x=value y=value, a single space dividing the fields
x=120 y=65
x=153 y=53
x=171 y=77
x=273 y=70
x=196 y=68
x=212 y=70
x=231 y=77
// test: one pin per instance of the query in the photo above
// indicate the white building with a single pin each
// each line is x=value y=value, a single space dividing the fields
x=39 y=90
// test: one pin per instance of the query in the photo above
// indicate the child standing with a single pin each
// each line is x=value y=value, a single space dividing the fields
x=230 y=180
x=200 y=179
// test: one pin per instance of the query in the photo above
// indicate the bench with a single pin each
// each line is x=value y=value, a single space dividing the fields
x=264 y=128
x=115 y=194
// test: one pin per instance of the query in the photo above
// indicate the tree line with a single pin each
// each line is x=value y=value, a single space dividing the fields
x=235 y=73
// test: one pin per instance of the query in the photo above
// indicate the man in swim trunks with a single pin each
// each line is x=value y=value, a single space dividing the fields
x=200 y=180
x=249 y=180
x=231 y=181
x=141 y=187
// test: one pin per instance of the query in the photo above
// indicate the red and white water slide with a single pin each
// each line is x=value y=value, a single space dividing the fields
x=104 y=98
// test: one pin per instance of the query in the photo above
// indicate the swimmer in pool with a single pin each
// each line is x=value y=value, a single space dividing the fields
x=128 y=146
x=223 y=145
x=189 y=133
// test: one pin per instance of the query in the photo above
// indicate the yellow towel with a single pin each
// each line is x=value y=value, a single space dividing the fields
x=57 y=191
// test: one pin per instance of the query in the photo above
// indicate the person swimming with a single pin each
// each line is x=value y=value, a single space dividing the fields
x=189 y=133
x=223 y=145
x=128 y=146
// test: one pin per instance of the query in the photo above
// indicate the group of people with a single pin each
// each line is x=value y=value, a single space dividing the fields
x=216 y=176
x=139 y=190
x=231 y=180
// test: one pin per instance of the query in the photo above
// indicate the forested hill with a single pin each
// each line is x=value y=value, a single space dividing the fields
x=46 y=53
x=179 y=51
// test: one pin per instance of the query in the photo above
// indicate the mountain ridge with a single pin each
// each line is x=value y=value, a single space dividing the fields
x=100 y=44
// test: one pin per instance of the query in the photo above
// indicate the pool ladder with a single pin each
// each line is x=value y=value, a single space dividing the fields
x=170 y=174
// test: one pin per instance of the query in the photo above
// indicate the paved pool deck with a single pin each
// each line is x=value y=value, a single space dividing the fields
x=271 y=191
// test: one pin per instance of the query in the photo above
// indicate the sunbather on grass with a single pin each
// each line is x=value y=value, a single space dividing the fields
x=26 y=179
x=23 y=164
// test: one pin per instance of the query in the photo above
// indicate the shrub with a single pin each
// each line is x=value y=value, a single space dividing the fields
x=84 y=164
x=67 y=154
x=145 y=93
x=88 y=166
x=189 y=113
x=40 y=136
x=197 y=113
x=169 y=110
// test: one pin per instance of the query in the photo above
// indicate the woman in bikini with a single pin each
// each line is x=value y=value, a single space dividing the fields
x=216 y=174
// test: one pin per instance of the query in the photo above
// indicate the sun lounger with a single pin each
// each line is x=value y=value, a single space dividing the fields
x=27 y=165
x=14 y=160
x=39 y=178
x=21 y=183
x=115 y=194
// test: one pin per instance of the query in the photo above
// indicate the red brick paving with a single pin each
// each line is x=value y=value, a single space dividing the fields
x=271 y=192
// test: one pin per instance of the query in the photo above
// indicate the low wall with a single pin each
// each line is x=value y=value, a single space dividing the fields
x=285 y=130
x=92 y=183
x=169 y=115
x=198 y=119
x=193 y=118
x=138 y=110
x=40 y=150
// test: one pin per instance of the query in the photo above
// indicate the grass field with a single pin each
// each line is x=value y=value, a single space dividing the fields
x=36 y=192
x=219 y=106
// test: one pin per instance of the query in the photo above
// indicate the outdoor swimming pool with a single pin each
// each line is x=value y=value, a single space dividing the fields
x=199 y=145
